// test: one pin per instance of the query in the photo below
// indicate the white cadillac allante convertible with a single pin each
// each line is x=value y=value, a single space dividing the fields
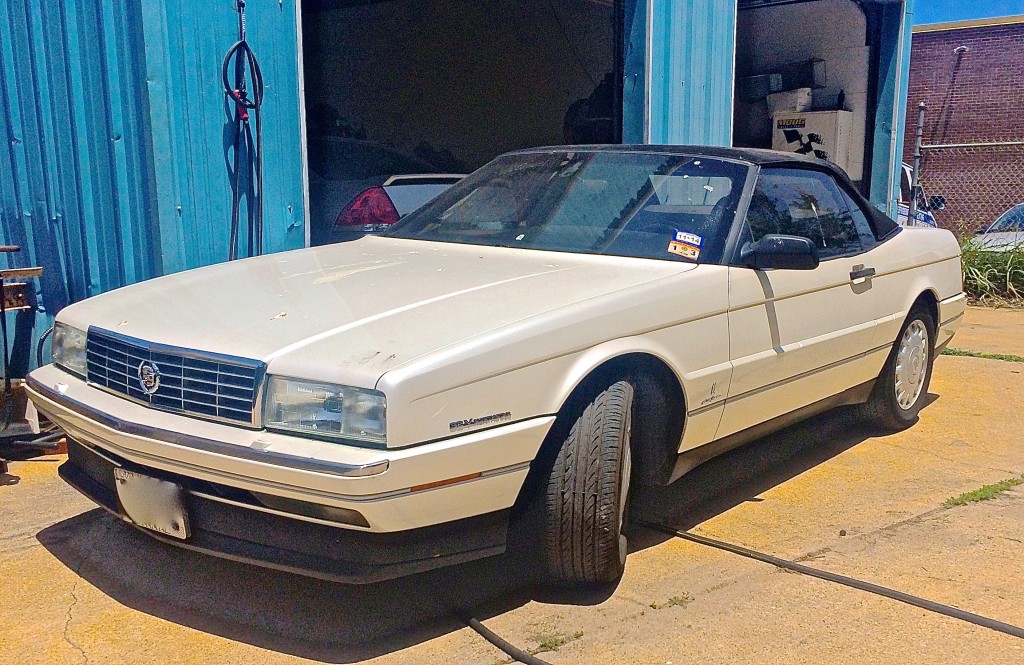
x=563 y=324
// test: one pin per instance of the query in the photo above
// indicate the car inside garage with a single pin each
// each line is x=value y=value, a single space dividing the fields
x=440 y=87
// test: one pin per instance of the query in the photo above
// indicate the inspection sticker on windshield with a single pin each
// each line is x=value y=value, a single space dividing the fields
x=684 y=250
x=689 y=238
x=686 y=245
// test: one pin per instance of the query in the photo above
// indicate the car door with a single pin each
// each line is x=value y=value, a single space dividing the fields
x=800 y=336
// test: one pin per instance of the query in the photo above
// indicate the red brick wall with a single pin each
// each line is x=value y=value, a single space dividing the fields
x=973 y=97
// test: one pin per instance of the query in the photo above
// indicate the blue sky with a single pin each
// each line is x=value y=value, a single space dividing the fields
x=937 y=11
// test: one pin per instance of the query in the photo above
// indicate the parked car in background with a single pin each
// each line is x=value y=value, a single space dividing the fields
x=506 y=362
x=1004 y=234
x=359 y=187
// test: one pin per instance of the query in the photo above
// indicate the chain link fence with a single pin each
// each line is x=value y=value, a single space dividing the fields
x=978 y=182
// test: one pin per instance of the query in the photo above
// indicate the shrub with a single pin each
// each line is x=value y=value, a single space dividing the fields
x=994 y=278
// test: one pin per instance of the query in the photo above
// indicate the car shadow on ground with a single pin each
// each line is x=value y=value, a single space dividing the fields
x=333 y=622
x=742 y=474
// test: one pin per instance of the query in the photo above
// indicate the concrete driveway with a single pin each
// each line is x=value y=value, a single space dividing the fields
x=81 y=587
x=989 y=330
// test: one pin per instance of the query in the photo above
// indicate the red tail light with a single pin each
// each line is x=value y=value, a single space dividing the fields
x=372 y=207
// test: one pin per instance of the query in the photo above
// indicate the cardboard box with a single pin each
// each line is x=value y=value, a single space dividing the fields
x=824 y=134
x=799 y=100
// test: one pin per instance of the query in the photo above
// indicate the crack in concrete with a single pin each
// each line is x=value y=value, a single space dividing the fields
x=821 y=552
x=889 y=529
x=959 y=462
x=74 y=588
x=67 y=624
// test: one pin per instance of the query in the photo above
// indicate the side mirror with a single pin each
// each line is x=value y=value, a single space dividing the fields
x=937 y=203
x=780 y=252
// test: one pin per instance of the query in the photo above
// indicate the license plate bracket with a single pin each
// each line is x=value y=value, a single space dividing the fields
x=152 y=503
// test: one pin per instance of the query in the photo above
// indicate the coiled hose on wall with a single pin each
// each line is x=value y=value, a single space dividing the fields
x=247 y=103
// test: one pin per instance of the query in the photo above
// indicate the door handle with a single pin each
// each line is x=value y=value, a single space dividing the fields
x=862 y=273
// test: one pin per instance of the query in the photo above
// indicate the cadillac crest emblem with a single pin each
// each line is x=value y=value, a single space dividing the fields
x=149 y=377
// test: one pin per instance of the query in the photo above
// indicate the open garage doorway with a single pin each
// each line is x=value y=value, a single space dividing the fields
x=437 y=88
x=804 y=80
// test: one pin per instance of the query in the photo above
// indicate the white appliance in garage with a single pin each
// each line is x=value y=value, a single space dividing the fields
x=825 y=134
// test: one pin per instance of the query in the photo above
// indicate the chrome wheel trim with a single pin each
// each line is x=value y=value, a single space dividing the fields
x=911 y=364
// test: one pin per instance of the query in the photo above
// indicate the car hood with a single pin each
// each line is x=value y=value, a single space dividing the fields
x=352 y=311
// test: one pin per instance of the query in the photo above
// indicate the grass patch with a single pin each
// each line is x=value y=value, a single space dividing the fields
x=552 y=641
x=983 y=493
x=549 y=641
x=949 y=351
x=674 y=601
x=993 y=277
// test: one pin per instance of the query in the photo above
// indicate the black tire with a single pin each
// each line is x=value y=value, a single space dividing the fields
x=584 y=504
x=886 y=408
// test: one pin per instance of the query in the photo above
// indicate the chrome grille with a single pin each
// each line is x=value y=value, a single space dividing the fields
x=194 y=383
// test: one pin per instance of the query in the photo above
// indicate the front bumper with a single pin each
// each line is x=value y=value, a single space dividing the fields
x=393 y=490
x=224 y=526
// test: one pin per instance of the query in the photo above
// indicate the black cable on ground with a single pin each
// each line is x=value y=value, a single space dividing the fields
x=48 y=441
x=916 y=601
x=512 y=650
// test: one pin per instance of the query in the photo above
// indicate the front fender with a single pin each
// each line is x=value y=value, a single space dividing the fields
x=682 y=322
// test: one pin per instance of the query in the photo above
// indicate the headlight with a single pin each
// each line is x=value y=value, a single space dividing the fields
x=68 y=348
x=325 y=410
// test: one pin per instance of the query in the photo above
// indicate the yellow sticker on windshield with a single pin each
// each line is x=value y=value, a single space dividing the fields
x=683 y=249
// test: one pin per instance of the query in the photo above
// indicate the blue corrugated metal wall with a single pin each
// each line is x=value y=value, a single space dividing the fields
x=75 y=169
x=692 y=71
x=634 y=83
x=191 y=121
x=114 y=165
x=74 y=189
x=890 y=117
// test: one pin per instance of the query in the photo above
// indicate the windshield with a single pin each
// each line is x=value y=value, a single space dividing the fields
x=1011 y=220
x=657 y=206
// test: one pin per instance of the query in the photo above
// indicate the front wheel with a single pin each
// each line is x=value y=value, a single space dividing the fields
x=585 y=502
x=900 y=392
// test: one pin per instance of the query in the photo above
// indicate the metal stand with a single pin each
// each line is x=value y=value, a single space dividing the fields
x=14 y=296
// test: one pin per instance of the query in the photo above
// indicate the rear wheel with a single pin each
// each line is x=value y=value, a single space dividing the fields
x=900 y=392
x=585 y=501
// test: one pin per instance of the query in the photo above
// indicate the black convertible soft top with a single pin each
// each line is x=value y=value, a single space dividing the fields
x=752 y=155
x=883 y=225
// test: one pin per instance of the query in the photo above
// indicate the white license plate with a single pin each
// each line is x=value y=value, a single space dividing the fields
x=154 y=504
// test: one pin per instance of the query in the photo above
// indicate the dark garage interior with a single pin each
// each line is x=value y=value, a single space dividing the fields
x=456 y=82
x=398 y=87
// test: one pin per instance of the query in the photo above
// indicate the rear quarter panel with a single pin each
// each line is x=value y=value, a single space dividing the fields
x=916 y=260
